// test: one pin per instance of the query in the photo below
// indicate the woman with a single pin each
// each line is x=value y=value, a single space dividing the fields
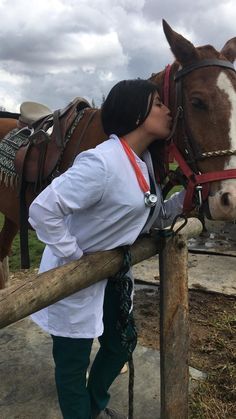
x=102 y=202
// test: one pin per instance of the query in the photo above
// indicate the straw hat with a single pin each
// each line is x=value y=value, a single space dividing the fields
x=32 y=111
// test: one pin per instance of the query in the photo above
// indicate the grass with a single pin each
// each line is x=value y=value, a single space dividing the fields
x=177 y=188
x=215 y=398
x=35 y=248
x=212 y=320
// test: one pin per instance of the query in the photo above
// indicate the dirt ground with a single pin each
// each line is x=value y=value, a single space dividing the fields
x=212 y=347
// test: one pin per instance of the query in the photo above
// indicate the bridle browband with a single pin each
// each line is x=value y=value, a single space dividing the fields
x=197 y=183
x=203 y=63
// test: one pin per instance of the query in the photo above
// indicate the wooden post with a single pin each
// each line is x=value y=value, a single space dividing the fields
x=174 y=323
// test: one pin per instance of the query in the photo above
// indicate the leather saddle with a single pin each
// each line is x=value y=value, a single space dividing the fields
x=37 y=159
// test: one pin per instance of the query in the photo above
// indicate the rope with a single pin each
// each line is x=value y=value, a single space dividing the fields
x=124 y=286
x=131 y=388
x=172 y=231
x=217 y=153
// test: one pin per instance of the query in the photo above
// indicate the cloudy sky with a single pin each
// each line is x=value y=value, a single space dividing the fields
x=54 y=50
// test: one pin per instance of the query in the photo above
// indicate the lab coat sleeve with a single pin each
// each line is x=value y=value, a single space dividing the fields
x=78 y=188
x=171 y=207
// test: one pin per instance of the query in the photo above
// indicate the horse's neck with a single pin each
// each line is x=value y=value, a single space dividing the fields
x=158 y=79
x=6 y=125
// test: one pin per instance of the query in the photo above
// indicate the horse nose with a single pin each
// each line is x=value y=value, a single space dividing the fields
x=225 y=199
x=222 y=204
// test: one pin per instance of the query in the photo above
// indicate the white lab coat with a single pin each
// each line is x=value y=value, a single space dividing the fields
x=95 y=205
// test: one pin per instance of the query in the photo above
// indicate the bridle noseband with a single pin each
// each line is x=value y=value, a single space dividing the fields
x=197 y=183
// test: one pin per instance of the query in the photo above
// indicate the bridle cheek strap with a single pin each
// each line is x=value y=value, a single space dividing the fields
x=166 y=86
x=195 y=180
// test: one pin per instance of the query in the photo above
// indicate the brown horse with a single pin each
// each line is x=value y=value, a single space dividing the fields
x=202 y=98
x=207 y=92
x=8 y=122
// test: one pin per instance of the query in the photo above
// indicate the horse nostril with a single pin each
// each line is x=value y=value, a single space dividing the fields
x=225 y=199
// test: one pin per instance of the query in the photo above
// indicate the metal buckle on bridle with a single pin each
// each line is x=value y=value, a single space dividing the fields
x=198 y=190
x=180 y=111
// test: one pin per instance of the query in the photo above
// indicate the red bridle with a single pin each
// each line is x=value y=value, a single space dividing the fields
x=198 y=184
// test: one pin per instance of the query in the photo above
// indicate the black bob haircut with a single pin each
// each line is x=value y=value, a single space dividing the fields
x=127 y=106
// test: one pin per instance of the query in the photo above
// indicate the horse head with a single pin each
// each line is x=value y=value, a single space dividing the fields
x=202 y=98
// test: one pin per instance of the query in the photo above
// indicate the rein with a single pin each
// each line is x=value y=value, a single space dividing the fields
x=198 y=184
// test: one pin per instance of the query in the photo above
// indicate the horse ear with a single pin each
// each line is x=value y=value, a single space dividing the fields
x=229 y=50
x=183 y=50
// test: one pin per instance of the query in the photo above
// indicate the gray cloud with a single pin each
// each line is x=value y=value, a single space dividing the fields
x=54 y=50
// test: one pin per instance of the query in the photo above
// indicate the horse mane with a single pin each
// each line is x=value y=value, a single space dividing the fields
x=207 y=51
x=159 y=159
x=6 y=114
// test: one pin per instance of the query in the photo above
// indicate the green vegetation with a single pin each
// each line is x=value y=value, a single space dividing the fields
x=215 y=397
x=173 y=166
x=35 y=246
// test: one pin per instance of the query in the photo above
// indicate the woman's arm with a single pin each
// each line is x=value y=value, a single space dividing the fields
x=170 y=208
x=78 y=188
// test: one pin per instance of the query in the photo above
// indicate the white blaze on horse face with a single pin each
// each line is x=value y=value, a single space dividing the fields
x=225 y=84
x=222 y=205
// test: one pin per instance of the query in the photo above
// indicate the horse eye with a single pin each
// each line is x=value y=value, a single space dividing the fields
x=198 y=103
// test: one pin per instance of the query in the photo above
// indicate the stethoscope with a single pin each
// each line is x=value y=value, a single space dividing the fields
x=150 y=199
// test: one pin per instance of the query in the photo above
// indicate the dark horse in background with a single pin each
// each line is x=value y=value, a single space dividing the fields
x=204 y=113
x=8 y=122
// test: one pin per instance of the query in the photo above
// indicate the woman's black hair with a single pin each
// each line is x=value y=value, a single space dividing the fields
x=127 y=106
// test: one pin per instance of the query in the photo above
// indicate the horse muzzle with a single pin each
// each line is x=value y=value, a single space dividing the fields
x=222 y=204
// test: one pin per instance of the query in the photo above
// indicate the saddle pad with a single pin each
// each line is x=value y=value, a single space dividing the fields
x=13 y=141
x=8 y=148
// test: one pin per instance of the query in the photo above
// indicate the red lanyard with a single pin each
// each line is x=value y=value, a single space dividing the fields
x=141 y=179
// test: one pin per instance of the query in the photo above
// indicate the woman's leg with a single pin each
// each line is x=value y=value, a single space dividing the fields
x=71 y=358
x=111 y=356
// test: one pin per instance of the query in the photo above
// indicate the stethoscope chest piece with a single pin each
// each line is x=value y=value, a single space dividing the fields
x=150 y=199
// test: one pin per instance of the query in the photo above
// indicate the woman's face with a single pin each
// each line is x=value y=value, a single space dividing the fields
x=158 y=122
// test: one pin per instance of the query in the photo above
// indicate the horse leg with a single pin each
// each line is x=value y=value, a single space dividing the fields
x=4 y=273
x=7 y=235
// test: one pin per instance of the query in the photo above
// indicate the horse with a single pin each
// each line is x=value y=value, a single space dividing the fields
x=204 y=134
x=8 y=122
x=200 y=89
